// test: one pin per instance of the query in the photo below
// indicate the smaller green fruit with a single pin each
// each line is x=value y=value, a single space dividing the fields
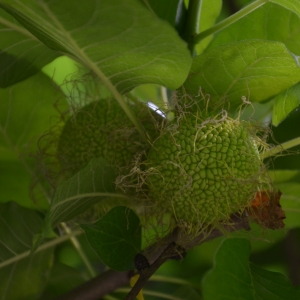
x=102 y=129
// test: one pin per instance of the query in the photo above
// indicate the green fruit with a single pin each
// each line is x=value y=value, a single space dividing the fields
x=102 y=129
x=203 y=171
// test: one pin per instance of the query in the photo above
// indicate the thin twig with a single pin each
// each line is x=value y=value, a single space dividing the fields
x=79 y=250
x=109 y=281
x=171 y=250
x=99 y=286
x=42 y=247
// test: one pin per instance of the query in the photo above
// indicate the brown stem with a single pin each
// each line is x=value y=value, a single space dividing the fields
x=158 y=253
x=99 y=286
x=172 y=251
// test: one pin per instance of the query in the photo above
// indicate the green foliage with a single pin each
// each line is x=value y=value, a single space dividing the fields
x=125 y=56
x=285 y=103
x=210 y=10
x=21 y=278
x=26 y=112
x=24 y=55
x=247 y=68
x=279 y=25
x=288 y=182
x=238 y=279
x=62 y=278
x=116 y=238
x=87 y=187
x=138 y=50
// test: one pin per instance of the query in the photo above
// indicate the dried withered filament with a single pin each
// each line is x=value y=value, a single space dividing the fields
x=266 y=210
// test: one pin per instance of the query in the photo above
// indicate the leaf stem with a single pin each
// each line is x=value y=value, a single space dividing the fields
x=44 y=246
x=78 y=248
x=110 y=280
x=230 y=20
x=164 y=96
x=280 y=148
x=192 y=23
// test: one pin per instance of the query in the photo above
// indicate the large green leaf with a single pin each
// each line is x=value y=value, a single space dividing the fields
x=285 y=103
x=122 y=42
x=21 y=53
x=24 y=278
x=234 y=277
x=279 y=25
x=256 y=69
x=116 y=238
x=90 y=185
x=26 y=112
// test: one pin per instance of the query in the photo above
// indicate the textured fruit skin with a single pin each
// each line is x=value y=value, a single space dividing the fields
x=101 y=129
x=201 y=172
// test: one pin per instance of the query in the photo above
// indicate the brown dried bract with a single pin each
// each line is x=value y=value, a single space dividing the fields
x=266 y=210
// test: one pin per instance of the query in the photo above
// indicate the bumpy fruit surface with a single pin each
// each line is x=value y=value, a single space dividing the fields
x=204 y=171
x=101 y=129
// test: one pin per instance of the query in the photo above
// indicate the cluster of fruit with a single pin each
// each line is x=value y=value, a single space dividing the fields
x=198 y=169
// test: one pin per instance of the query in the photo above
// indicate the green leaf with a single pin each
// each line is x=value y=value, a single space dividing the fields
x=62 y=279
x=285 y=103
x=279 y=25
x=287 y=181
x=116 y=238
x=185 y=292
x=90 y=185
x=24 y=278
x=236 y=278
x=210 y=10
x=255 y=69
x=122 y=42
x=291 y=5
x=22 y=54
x=26 y=112
x=272 y=285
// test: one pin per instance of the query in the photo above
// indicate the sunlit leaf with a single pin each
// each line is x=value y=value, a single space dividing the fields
x=280 y=25
x=285 y=103
x=254 y=69
x=90 y=185
x=291 y=5
x=237 y=278
x=116 y=238
x=21 y=53
x=24 y=278
x=122 y=42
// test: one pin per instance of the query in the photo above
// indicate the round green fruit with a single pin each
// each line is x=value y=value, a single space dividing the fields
x=203 y=171
x=102 y=129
